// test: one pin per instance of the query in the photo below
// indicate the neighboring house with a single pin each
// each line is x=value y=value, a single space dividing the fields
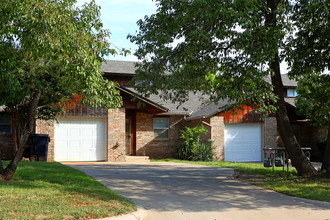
x=307 y=135
x=150 y=126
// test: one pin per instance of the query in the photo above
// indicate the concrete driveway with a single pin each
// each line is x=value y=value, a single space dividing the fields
x=182 y=191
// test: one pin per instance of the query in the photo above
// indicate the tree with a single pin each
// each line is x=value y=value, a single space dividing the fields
x=308 y=56
x=225 y=49
x=314 y=102
x=50 y=52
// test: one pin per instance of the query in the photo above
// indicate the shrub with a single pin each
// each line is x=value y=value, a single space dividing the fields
x=191 y=147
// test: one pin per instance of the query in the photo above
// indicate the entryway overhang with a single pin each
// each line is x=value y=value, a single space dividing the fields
x=135 y=101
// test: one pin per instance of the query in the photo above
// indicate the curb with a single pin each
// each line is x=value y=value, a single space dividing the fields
x=137 y=215
x=323 y=204
x=316 y=202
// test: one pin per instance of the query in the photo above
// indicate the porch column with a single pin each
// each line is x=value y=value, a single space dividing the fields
x=116 y=135
x=217 y=135
x=47 y=127
x=270 y=132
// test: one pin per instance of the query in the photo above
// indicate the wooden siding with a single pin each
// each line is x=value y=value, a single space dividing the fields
x=245 y=115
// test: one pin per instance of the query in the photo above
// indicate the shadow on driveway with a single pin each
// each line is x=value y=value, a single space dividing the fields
x=163 y=187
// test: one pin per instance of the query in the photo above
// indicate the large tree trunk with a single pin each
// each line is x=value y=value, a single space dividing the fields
x=297 y=156
x=326 y=156
x=22 y=137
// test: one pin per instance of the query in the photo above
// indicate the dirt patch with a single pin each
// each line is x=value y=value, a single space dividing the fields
x=249 y=178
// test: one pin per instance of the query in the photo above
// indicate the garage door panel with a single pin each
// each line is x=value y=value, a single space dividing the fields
x=88 y=132
x=243 y=147
x=88 y=145
x=75 y=132
x=74 y=144
x=243 y=142
x=63 y=132
x=100 y=154
x=80 y=139
x=64 y=145
x=243 y=153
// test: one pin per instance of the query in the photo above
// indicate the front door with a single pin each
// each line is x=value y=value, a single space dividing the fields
x=130 y=133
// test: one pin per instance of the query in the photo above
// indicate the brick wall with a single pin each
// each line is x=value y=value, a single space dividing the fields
x=116 y=135
x=218 y=136
x=47 y=127
x=270 y=132
x=215 y=132
x=193 y=123
x=6 y=146
x=145 y=142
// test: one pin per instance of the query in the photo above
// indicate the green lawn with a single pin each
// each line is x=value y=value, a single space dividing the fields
x=44 y=190
x=284 y=182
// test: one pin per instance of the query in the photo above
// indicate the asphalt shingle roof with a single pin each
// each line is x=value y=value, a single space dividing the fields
x=288 y=82
x=196 y=106
x=285 y=80
x=209 y=110
x=119 y=67
x=290 y=101
x=128 y=67
x=194 y=103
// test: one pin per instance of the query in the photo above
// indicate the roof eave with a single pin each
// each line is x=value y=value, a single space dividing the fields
x=119 y=73
x=144 y=99
x=203 y=116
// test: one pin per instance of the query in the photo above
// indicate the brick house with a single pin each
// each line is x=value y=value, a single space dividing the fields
x=151 y=129
x=306 y=134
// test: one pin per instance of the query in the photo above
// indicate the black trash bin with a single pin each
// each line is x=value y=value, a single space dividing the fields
x=39 y=147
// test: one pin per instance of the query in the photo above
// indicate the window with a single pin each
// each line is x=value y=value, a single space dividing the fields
x=291 y=93
x=5 y=124
x=161 y=128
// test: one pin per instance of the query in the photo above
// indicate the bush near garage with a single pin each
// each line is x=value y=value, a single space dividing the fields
x=192 y=148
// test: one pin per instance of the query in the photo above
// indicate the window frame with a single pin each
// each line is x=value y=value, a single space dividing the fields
x=294 y=91
x=161 y=128
x=8 y=124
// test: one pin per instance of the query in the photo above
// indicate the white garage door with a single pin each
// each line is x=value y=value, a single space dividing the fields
x=242 y=142
x=80 y=139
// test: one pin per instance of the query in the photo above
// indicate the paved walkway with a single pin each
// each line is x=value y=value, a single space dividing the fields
x=182 y=191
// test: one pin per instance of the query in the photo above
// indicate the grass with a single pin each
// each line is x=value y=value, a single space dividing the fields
x=285 y=182
x=44 y=190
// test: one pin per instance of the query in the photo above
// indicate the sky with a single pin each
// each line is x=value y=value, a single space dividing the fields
x=120 y=17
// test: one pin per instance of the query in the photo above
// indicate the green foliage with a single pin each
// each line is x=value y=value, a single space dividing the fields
x=204 y=152
x=222 y=48
x=226 y=48
x=56 y=48
x=307 y=53
x=229 y=49
x=55 y=191
x=191 y=147
x=308 y=46
x=50 y=52
x=313 y=98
